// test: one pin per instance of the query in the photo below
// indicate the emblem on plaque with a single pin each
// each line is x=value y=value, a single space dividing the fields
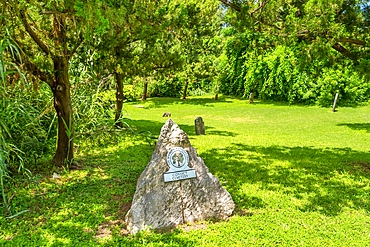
x=178 y=161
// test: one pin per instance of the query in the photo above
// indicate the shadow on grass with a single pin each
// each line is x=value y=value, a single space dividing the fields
x=280 y=103
x=88 y=208
x=327 y=180
x=357 y=126
x=165 y=102
x=206 y=101
x=154 y=128
x=209 y=131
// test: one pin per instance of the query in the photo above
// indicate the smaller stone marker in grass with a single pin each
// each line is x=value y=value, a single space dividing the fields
x=176 y=187
x=199 y=126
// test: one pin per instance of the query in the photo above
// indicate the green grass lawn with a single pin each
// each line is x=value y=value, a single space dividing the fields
x=299 y=176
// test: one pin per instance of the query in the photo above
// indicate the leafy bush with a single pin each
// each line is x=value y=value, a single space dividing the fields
x=170 y=87
x=131 y=93
x=200 y=87
x=277 y=74
x=343 y=80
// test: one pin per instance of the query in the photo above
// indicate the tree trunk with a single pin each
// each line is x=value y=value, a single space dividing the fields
x=119 y=99
x=58 y=80
x=63 y=107
x=185 y=89
x=145 y=90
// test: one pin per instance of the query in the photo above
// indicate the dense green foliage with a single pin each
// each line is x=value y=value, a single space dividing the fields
x=297 y=51
x=170 y=87
x=278 y=75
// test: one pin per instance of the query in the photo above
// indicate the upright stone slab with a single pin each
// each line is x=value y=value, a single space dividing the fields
x=182 y=199
x=199 y=126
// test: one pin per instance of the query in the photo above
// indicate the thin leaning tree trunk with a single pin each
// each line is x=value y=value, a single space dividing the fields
x=119 y=99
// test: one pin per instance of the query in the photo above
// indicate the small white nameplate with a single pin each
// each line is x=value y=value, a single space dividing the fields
x=181 y=175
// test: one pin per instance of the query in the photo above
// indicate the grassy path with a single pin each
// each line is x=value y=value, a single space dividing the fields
x=300 y=176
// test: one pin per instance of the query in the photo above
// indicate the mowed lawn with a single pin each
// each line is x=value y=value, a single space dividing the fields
x=299 y=176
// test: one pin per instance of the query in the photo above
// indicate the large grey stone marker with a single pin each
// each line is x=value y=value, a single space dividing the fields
x=160 y=204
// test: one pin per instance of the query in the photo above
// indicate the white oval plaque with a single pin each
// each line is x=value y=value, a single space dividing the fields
x=178 y=161
x=177 y=157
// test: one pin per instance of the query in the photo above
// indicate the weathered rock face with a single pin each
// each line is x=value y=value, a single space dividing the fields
x=160 y=205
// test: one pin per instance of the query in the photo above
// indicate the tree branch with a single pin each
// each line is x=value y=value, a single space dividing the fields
x=33 y=35
x=36 y=71
x=238 y=9
x=31 y=67
x=352 y=41
x=231 y=5
x=104 y=80
x=338 y=47
x=268 y=24
x=59 y=26
x=262 y=5
x=50 y=12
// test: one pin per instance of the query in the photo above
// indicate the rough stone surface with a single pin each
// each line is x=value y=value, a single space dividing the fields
x=160 y=205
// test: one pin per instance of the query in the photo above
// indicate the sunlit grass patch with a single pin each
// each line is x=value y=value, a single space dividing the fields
x=299 y=176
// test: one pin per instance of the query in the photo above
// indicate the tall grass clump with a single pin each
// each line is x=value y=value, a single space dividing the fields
x=24 y=120
x=5 y=70
x=93 y=105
